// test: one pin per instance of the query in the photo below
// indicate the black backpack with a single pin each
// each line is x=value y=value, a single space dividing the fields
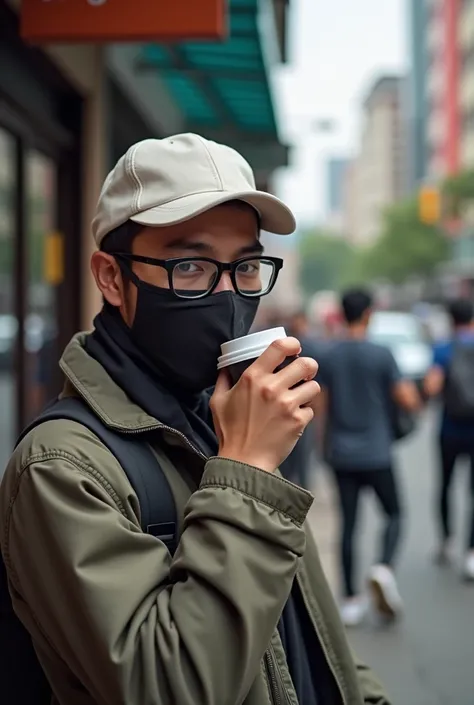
x=459 y=385
x=22 y=681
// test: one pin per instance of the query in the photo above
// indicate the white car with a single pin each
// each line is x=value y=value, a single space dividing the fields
x=403 y=334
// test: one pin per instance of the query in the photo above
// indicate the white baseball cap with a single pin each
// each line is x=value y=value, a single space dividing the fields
x=167 y=181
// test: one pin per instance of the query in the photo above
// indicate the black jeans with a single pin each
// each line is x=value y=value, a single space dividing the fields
x=383 y=483
x=451 y=450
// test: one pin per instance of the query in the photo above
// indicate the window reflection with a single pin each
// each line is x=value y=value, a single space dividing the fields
x=41 y=308
x=8 y=321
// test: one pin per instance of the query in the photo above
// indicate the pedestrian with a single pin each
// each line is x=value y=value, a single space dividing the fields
x=361 y=384
x=452 y=377
x=241 y=612
x=300 y=463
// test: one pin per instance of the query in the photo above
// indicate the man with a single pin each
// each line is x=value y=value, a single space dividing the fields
x=457 y=429
x=297 y=466
x=113 y=616
x=360 y=383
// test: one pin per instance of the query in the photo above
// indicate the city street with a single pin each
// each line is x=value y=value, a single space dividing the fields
x=427 y=658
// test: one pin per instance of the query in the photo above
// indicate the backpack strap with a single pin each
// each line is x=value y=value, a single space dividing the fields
x=134 y=453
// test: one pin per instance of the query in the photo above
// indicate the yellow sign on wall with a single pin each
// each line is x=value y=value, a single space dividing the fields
x=53 y=263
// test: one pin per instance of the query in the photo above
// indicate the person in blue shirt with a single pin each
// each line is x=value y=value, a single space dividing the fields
x=456 y=436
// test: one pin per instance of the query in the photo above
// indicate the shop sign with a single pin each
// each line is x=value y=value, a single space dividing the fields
x=122 y=20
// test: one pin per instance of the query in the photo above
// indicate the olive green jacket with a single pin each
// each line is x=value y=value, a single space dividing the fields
x=113 y=617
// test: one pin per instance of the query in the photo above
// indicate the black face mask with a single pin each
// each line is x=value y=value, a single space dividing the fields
x=182 y=337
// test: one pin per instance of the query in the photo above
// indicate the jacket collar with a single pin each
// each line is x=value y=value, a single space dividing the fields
x=91 y=381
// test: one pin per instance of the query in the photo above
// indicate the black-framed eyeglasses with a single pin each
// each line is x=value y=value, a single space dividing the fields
x=196 y=277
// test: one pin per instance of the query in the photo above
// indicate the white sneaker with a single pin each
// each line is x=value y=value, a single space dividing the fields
x=469 y=566
x=353 y=611
x=384 y=591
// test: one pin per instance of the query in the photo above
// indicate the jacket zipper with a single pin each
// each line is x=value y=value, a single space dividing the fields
x=321 y=641
x=162 y=427
x=275 y=693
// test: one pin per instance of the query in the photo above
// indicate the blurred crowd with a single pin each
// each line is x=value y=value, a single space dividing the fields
x=379 y=370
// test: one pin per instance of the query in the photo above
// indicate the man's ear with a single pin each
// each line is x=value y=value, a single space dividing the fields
x=108 y=277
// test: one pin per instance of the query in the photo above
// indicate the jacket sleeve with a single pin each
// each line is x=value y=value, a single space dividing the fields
x=134 y=625
x=371 y=688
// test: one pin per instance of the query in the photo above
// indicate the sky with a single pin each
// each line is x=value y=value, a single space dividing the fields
x=337 y=48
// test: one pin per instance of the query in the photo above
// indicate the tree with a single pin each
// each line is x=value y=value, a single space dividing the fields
x=325 y=260
x=458 y=193
x=406 y=246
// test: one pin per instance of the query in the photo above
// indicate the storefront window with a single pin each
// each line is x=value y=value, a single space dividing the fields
x=8 y=320
x=41 y=306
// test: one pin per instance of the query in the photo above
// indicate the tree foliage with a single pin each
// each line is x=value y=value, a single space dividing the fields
x=406 y=246
x=325 y=260
x=458 y=193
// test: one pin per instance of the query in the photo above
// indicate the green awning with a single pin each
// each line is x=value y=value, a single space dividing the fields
x=223 y=88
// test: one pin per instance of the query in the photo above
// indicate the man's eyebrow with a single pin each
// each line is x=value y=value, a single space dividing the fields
x=254 y=248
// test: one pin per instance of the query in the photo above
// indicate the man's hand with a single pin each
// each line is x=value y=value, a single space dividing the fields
x=259 y=420
x=434 y=382
x=406 y=395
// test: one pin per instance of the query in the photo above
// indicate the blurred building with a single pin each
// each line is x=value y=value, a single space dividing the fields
x=378 y=176
x=336 y=170
x=66 y=113
x=466 y=42
x=449 y=41
x=417 y=108
x=444 y=123
x=441 y=106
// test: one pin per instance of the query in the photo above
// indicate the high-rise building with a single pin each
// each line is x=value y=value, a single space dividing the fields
x=443 y=86
x=416 y=105
x=378 y=175
x=466 y=43
x=449 y=40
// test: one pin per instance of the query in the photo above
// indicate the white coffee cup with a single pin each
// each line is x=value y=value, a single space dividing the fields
x=238 y=354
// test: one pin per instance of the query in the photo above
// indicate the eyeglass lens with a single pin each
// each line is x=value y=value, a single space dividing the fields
x=196 y=278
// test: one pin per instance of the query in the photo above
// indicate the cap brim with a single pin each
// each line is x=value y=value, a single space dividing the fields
x=275 y=217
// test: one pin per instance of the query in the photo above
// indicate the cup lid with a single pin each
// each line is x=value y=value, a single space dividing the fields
x=248 y=346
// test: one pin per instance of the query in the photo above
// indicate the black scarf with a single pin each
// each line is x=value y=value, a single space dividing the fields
x=111 y=345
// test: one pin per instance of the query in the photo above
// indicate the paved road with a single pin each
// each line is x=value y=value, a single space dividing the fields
x=427 y=659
